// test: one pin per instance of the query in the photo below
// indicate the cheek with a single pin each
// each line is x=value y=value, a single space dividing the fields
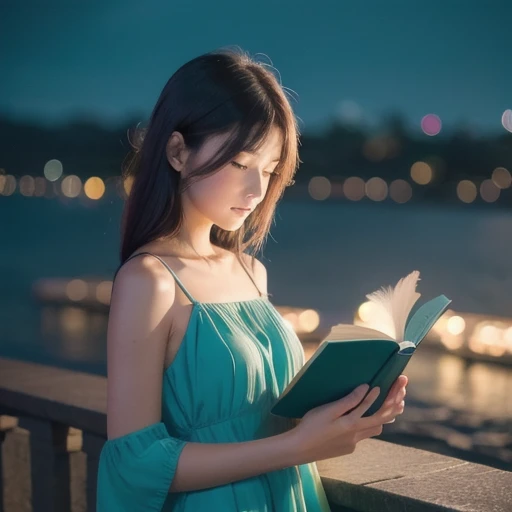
x=211 y=194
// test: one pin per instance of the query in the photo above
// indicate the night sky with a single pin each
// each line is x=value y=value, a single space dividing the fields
x=355 y=59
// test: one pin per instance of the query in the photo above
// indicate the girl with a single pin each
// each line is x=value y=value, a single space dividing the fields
x=197 y=354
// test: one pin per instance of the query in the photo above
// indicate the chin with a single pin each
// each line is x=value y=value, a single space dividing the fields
x=230 y=226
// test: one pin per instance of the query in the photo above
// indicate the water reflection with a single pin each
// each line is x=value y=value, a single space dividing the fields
x=473 y=387
x=458 y=407
x=73 y=334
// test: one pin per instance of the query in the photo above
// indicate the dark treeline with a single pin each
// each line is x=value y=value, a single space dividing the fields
x=86 y=148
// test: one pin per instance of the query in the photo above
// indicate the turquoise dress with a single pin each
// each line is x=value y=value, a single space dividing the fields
x=234 y=361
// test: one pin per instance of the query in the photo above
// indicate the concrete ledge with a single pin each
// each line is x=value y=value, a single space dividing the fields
x=382 y=477
x=72 y=398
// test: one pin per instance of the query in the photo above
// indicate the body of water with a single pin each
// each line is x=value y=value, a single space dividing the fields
x=325 y=256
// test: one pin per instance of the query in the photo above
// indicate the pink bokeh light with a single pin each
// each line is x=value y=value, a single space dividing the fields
x=431 y=124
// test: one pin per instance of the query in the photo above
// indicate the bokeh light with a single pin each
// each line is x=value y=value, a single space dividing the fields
x=431 y=124
x=400 y=191
x=376 y=189
x=77 y=290
x=53 y=170
x=456 y=325
x=308 y=320
x=27 y=186
x=71 y=186
x=353 y=188
x=421 y=173
x=319 y=188
x=501 y=177
x=94 y=188
x=7 y=185
x=367 y=310
x=104 y=292
x=506 y=120
x=489 y=191
x=466 y=191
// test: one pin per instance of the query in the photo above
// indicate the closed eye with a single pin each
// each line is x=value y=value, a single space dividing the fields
x=240 y=166
x=244 y=167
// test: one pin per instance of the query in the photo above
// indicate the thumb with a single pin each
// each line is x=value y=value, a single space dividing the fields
x=348 y=402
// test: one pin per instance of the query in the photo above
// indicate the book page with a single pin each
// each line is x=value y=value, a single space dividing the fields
x=342 y=332
x=397 y=303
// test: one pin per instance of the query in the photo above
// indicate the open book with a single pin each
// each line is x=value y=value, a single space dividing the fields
x=351 y=355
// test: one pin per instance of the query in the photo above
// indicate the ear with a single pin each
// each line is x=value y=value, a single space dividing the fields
x=176 y=151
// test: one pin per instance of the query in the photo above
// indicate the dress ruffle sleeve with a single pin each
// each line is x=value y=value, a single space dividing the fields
x=136 y=470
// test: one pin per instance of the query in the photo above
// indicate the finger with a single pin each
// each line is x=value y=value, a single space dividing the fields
x=401 y=396
x=395 y=411
x=397 y=398
x=383 y=415
x=365 y=404
x=376 y=430
x=351 y=400
x=396 y=389
x=396 y=408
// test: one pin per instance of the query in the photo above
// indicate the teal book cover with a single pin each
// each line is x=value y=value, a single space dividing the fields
x=351 y=355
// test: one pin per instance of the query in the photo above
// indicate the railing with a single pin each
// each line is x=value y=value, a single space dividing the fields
x=53 y=426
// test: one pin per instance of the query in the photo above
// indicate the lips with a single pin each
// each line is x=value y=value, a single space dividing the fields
x=238 y=208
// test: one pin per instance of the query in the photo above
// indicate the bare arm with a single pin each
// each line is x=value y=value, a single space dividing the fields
x=204 y=465
x=138 y=328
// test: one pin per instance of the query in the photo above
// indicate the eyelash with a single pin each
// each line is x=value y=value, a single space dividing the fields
x=244 y=167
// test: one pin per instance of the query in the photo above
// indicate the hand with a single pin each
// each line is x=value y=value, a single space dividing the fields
x=330 y=430
x=391 y=407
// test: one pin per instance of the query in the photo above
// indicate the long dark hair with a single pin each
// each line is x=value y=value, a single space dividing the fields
x=224 y=91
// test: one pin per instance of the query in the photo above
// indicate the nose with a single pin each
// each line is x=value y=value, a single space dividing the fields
x=255 y=186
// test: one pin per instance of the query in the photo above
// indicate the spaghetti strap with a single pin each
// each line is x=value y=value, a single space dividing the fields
x=248 y=273
x=180 y=284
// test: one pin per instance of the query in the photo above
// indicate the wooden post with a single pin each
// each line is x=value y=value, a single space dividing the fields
x=49 y=465
x=6 y=423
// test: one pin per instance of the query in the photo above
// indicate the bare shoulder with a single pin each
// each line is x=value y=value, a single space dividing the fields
x=137 y=338
x=258 y=269
x=146 y=271
x=143 y=292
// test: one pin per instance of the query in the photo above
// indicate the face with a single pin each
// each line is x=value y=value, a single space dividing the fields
x=228 y=197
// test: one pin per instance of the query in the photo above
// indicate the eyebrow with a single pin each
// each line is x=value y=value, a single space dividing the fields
x=257 y=154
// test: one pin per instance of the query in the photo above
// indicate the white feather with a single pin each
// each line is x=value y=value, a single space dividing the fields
x=397 y=303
